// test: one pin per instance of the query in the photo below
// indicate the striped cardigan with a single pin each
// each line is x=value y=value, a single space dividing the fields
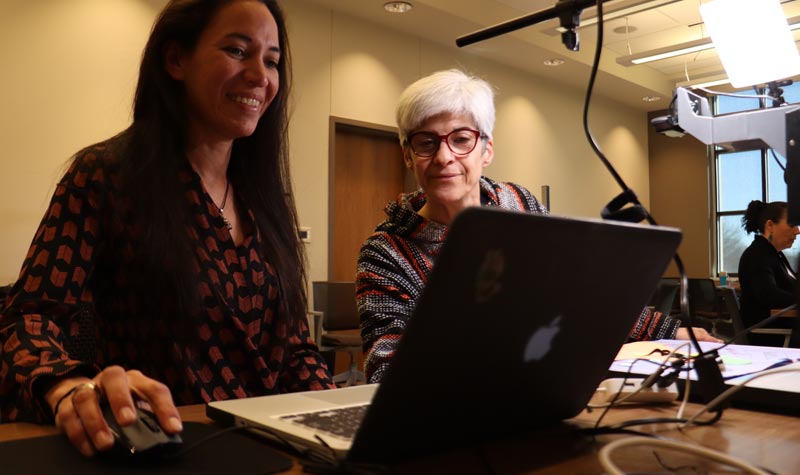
x=396 y=259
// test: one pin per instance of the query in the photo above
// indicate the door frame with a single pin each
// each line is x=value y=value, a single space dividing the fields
x=334 y=124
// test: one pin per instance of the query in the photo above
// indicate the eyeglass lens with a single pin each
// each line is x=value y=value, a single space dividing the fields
x=460 y=142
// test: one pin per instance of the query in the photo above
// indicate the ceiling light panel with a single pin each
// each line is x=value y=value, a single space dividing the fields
x=653 y=30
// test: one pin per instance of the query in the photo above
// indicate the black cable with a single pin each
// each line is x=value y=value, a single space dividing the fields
x=631 y=195
x=664 y=420
x=775 y=156
x=777 y=364
x=674 y=469
x=183 y=451
x=628 y=374
x=605 y=430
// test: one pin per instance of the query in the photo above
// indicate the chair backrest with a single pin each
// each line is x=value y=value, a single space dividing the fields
x=731 y=302
x=337 y=302
x=664 y=298
x=703 y=296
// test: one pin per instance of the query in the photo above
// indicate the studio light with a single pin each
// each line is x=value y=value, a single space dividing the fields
x=753 y=40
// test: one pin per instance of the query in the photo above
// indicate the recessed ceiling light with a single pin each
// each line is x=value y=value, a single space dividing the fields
x=553 y=62
x=651 y=98
x=624 y=30
x=397 y=7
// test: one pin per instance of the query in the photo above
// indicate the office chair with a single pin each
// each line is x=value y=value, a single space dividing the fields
x=794 y=340
x=664 y=298
x=335 y=318
x=731 y=301
x=705 y=304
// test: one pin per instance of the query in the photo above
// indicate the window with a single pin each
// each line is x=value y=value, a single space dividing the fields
x=742 y=177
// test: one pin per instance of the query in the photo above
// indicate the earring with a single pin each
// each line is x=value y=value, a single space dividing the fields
x=769 y=238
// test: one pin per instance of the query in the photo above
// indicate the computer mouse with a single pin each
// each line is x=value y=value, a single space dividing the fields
x=143 y=439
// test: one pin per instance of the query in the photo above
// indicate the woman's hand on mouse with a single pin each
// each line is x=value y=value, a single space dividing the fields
x=78 y=412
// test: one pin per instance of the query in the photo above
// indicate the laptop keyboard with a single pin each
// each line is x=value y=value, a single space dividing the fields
x=341 y=422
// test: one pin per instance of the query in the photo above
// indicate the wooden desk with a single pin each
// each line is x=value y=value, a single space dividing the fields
x=788 y=314
x=769 y=440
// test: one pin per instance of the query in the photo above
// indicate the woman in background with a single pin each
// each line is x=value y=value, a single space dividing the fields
x=168 y=267
x=766 y=278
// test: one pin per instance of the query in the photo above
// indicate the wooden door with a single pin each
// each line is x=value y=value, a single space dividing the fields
x=367 y=171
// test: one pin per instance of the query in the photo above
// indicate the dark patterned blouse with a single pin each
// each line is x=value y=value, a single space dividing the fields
x=73 y=312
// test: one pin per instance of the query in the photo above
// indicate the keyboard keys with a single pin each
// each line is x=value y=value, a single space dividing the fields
x=341 y=422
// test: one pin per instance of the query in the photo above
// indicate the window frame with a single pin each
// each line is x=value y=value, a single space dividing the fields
x=713 y=154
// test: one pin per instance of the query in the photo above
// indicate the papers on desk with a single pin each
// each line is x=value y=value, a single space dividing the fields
x=739 y=361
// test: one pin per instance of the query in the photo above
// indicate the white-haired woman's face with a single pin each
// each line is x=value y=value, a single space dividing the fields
x=448 y=178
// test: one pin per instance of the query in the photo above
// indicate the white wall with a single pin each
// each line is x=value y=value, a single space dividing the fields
x=68 y=75
x=69 y=69
x=363 y=68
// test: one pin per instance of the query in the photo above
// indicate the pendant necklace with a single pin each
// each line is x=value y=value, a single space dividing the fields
x=222 y=208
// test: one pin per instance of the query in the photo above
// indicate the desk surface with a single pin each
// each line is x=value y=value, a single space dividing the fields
x=768 y=440
x=788 y=314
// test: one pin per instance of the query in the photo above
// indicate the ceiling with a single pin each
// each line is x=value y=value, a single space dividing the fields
x=642 y=25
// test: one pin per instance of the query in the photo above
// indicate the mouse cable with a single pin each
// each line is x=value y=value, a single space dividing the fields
x=275 y=437
x=314 y=459
x=637 y=212
x=333 y=465
x=183 y=451
x=604 y=456
x=733 y=390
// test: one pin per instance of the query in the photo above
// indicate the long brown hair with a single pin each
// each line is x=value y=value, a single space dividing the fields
x=152 y=155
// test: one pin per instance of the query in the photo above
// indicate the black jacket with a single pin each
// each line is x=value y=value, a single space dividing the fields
x=765 y=282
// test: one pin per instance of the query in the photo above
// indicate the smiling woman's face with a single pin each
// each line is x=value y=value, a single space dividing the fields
x=449 y=180
x=231 y=76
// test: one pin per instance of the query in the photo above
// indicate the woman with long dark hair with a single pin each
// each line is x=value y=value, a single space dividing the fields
x=168 y=266
x=766 y=278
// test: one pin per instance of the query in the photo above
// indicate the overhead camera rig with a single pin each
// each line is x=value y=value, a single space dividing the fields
x=568 y=13
x=777 y=128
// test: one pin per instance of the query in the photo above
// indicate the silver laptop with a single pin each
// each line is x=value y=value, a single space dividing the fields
x=517 y=325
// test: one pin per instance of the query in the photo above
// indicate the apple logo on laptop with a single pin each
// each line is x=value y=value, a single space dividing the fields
x=541 y=341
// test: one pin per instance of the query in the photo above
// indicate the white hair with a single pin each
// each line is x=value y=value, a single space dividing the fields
x=451 y=91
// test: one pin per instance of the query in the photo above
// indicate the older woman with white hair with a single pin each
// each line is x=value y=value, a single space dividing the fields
x=445 y=124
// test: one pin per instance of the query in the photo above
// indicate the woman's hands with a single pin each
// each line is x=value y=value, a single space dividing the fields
x=700 y=333
x=79 y=415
